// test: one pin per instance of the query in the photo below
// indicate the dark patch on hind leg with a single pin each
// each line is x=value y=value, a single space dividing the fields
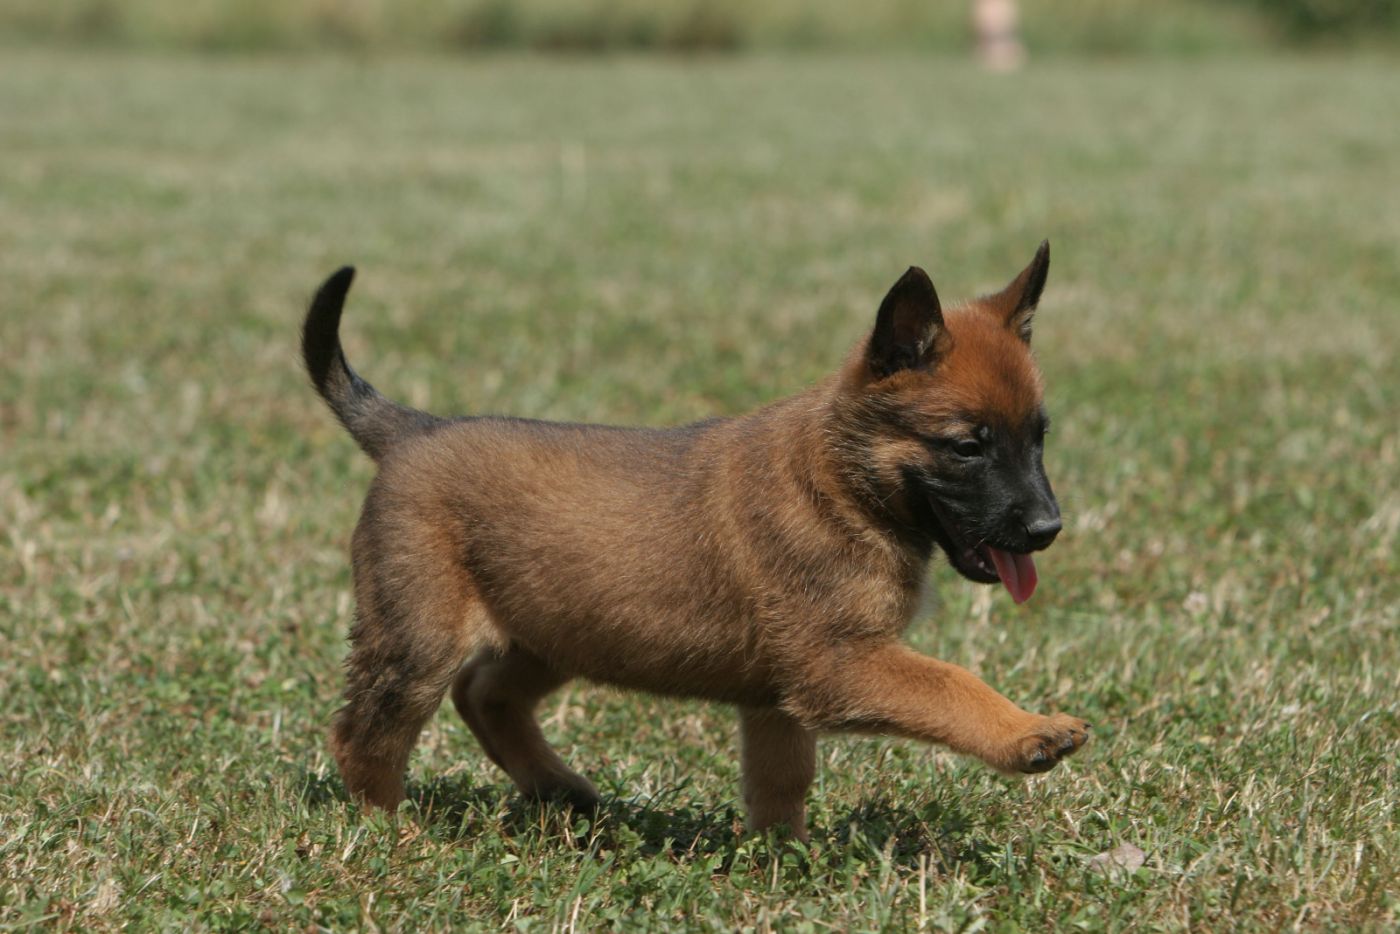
x=393 y=691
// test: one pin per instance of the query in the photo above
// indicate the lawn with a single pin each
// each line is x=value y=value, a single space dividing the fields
x=639 y=240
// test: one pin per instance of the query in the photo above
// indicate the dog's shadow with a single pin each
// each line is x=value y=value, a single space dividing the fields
x=671 y=823
x=940 y=834
x=666 y=823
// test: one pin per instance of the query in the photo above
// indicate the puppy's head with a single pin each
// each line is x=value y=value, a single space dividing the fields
x=944 y=411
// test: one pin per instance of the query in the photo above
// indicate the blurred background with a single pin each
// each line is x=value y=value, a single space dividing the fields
x=1049 y=26
x=652 y=212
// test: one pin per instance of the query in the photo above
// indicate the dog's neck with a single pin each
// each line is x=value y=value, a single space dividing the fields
x=815 y=456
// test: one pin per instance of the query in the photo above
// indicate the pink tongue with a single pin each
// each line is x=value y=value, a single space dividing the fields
x=1017 y=573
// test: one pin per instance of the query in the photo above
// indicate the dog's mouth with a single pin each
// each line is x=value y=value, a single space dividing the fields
x=1015 y=571
x=987 y=564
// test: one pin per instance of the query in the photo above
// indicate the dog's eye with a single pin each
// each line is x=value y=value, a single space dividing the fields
x=968 y=448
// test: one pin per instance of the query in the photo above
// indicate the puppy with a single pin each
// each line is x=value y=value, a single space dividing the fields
x=770 y=561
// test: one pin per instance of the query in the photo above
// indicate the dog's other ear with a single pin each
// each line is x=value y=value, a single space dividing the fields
x=907 y=327
x=1016 y=303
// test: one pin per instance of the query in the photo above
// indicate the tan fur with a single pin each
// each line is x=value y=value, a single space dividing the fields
x=757 y=561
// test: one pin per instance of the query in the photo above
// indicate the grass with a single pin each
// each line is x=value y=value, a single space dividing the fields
x=1100 y=26
x=646 y=241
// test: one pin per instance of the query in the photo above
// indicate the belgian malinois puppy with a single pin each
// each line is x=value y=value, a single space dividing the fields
x=770 y=561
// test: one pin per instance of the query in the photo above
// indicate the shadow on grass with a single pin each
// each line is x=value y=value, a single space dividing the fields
x=944 y=834
x=941 y=834
x=317 y=791
x=455 y=807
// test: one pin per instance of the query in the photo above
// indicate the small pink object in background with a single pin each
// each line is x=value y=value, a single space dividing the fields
x=998 y=38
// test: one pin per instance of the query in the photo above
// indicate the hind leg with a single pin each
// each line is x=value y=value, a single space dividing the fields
x=393 y=691
x=496 y=693
x=417 y=618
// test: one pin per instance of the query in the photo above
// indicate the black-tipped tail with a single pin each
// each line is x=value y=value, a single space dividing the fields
x=376 y=423
x=320 y=335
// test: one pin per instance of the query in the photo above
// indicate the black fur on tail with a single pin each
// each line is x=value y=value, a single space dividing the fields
x=376 y=423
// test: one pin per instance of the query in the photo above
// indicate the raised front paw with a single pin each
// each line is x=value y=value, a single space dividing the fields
x=1049 y=740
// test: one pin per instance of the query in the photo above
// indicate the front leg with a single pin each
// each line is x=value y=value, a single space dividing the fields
x=779 y=760
x=890 y=688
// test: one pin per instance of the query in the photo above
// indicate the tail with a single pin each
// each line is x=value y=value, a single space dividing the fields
x=376 y=423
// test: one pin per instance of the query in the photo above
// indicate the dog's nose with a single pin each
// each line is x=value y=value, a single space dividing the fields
x=1041 y=532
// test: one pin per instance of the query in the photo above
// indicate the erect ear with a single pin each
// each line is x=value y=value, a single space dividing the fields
x=907 y=327
x=1016 y=303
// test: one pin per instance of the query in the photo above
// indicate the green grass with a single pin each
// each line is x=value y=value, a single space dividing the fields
x=649 y=242
x=1102 y=26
